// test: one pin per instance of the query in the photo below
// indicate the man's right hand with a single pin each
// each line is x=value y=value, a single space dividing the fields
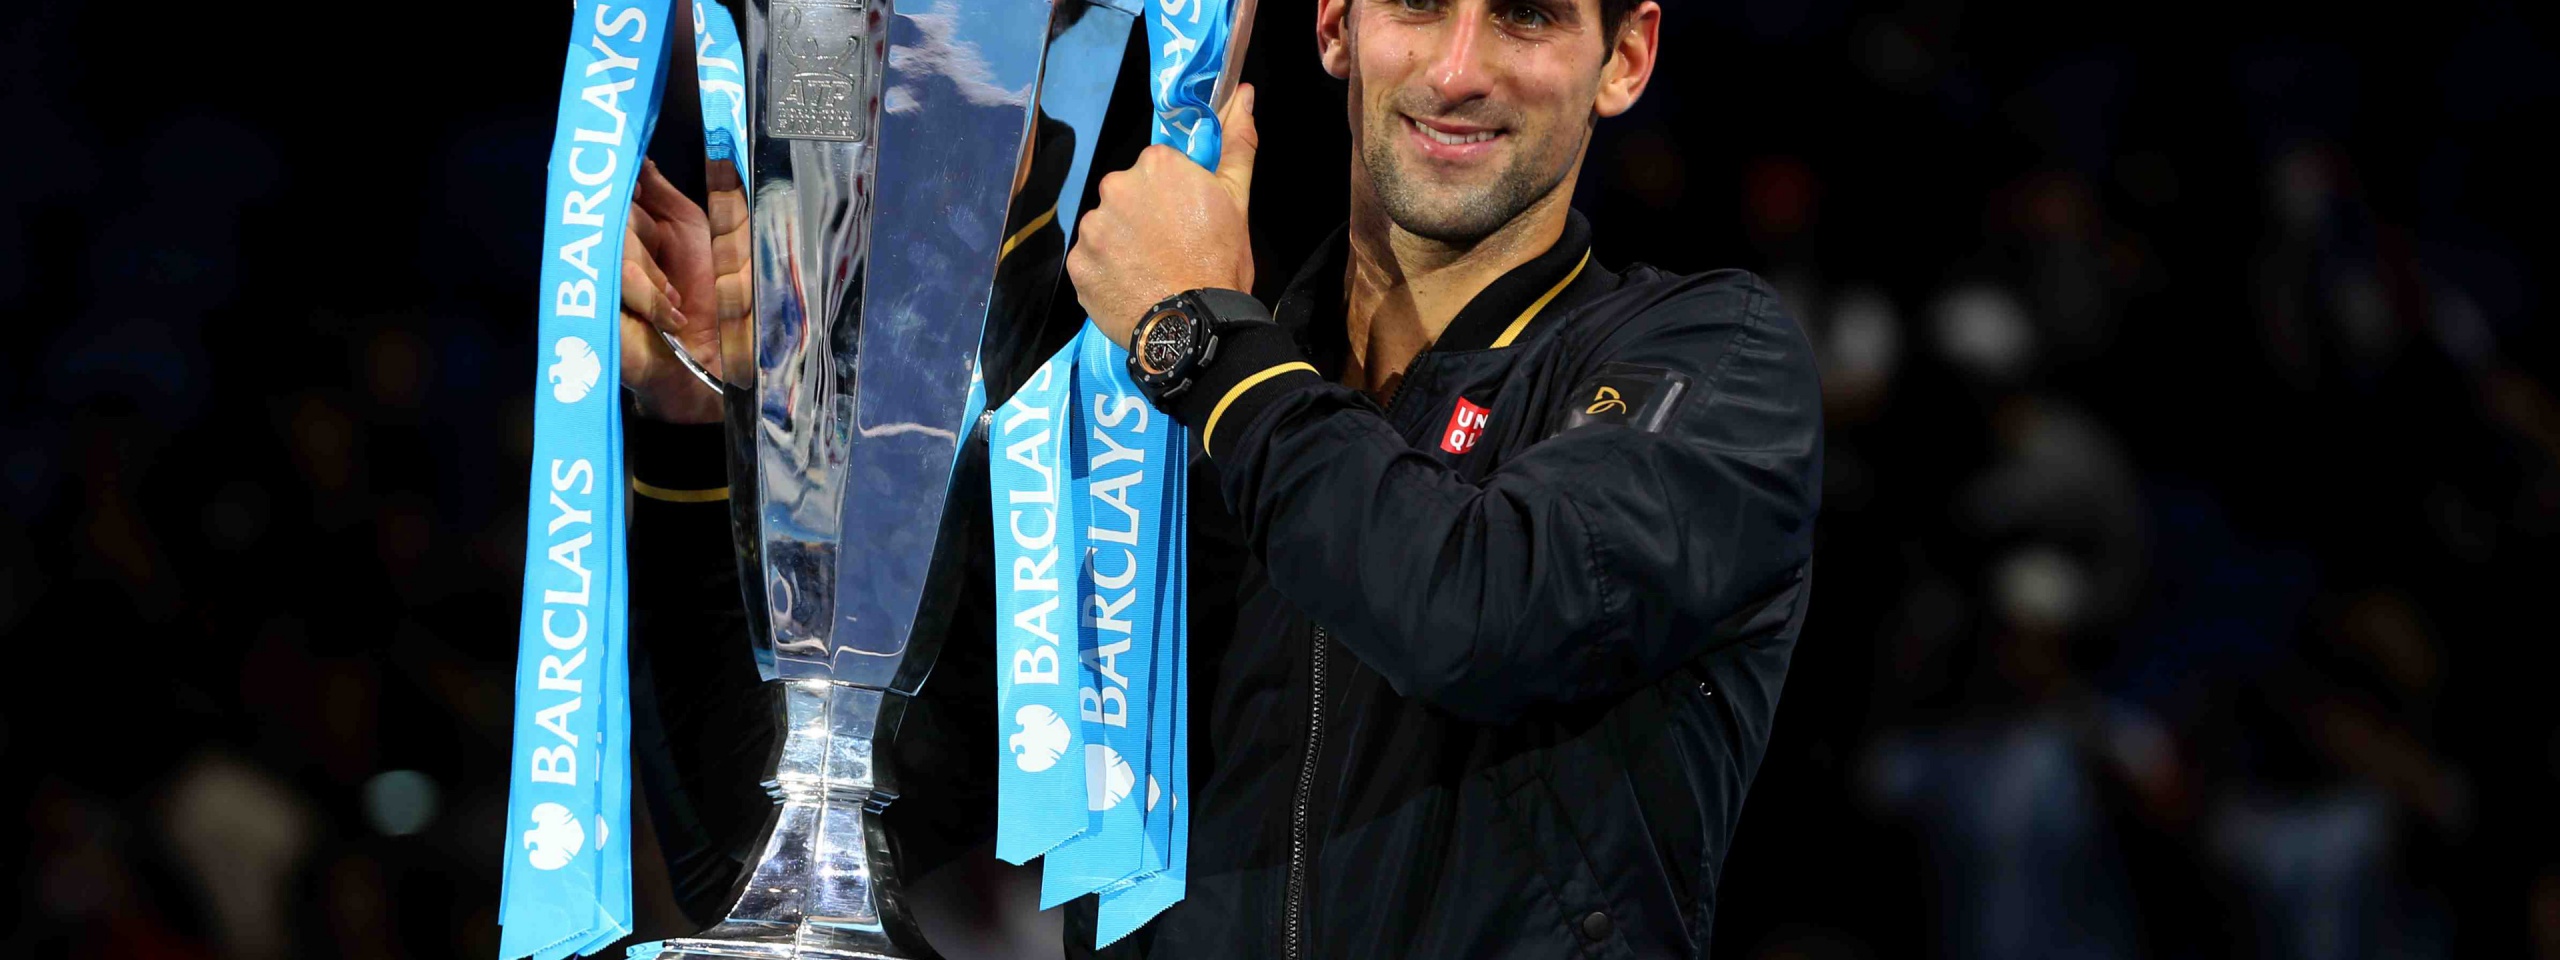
x=668 y=267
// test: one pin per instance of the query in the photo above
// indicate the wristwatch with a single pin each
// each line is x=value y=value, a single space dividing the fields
x=1178 y=337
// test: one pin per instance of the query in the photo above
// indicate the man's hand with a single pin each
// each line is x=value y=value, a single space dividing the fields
x=1165 y=226
x=667 y=266
x=733 y=264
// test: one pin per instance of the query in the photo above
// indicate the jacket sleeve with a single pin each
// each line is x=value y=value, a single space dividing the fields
x=1590 y=563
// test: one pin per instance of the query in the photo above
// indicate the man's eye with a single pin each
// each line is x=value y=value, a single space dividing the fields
x=1420 y=6
x=1525 y=17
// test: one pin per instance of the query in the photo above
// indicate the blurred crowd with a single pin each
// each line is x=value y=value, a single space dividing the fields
x=2193 y=486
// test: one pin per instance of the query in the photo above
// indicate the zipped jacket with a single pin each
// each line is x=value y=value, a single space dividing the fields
x=1483 y=672
x=1501 y=655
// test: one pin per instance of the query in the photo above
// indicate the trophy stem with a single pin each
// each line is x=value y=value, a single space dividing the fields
x=825 y=885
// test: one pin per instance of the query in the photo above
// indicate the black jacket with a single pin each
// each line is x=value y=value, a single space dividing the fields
x=1503 y=702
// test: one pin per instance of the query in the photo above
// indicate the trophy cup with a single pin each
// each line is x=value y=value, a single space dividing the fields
x=882 y=146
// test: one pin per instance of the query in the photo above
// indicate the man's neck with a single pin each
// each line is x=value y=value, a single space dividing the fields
x=1402 y=290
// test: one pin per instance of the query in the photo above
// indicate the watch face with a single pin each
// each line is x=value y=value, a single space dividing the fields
x=1164 y=338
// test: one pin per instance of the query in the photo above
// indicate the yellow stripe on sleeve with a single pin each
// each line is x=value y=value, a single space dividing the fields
x=1211 y=427
x=1027 y=230
x=655 y=492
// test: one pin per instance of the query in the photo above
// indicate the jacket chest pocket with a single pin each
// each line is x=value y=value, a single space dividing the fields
x=1630 y=395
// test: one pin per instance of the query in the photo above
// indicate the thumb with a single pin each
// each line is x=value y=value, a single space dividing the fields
x=1235 y=155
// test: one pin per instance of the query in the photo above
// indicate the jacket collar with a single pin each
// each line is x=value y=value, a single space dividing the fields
x=1508 y=311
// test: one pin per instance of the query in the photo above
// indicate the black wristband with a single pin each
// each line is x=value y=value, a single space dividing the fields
x=687 y=457
x=1257 y=364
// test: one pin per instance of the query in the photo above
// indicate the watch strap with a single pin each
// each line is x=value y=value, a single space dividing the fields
x=1230 y=306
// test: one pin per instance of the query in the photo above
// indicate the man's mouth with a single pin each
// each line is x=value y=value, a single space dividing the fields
x=1451 y=139
x=1457 y=136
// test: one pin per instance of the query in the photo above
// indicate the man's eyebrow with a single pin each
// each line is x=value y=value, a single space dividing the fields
x=1560 y=11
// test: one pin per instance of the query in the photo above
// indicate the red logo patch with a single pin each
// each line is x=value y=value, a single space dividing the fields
x=1466 y=424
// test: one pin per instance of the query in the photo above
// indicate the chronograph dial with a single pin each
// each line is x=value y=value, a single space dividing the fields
x=1178 y=337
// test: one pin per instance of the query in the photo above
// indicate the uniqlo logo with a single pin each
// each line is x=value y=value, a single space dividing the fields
x=1466 y=424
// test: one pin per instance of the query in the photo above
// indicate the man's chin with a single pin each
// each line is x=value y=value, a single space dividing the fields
x=1432 y=201
x=1442 y=212
x=1450 y=226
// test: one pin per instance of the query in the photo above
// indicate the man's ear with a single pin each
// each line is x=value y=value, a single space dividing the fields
x=1333 y=45
x=1631 y=56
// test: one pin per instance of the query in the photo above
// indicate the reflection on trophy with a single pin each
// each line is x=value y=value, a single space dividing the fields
x=881 y=151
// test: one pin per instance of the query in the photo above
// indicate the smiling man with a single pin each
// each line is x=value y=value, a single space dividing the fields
x=1517 y=546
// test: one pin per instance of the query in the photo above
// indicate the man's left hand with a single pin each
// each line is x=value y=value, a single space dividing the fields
x=1166 y=225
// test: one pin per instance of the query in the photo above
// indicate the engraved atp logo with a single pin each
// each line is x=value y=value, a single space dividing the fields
x=1107 y=778
x=1466 y=426
x=1606 y=401
x=821 y=78
x=555 y=838
x=577 y=372
x=1042 y=740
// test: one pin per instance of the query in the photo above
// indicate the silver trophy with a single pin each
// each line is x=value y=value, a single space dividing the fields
x=884 y=145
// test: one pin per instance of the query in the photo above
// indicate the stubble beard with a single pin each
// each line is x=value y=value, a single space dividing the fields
x=1457 y=215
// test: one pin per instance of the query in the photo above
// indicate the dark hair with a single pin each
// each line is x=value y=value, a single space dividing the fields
x=1613 y=14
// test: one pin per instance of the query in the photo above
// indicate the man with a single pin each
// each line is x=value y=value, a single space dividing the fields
x=1519 y=545
x=1525 y=542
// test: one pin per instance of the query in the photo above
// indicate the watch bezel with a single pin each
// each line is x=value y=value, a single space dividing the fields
x=1181 y=307
x=1175 y=309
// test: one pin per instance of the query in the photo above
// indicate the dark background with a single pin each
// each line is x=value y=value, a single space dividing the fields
x=2188 y=542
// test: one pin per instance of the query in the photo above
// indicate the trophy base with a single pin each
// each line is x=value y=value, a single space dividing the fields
x=690 y=948
x=825 y=885
x=695 y=948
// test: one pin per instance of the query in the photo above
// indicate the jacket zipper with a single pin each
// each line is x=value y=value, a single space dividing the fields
x=1298 y=826
x=1295 y=910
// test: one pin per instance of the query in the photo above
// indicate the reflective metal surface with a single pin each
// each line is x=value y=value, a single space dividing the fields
x=883 y=148
x=809 y=206
x=1025 y=325
x=864 y=346
x=952 y=117
x=817 y=889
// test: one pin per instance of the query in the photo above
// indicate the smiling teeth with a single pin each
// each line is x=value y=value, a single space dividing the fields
x=1452 y=139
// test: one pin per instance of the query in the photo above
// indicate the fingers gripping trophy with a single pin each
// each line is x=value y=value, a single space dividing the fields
x=858 y=197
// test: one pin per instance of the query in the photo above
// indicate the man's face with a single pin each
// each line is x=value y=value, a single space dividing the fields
x=1466 y=112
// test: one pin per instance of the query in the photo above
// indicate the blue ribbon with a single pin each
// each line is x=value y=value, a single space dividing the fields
x=1129 y=904
x=1121 y=451
x=1187 y=48
x=1120 y=825
x=568 y=867
x=719 y=67
x=1041 y=757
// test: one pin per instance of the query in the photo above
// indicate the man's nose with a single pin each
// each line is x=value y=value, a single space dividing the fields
x=1456 y=72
